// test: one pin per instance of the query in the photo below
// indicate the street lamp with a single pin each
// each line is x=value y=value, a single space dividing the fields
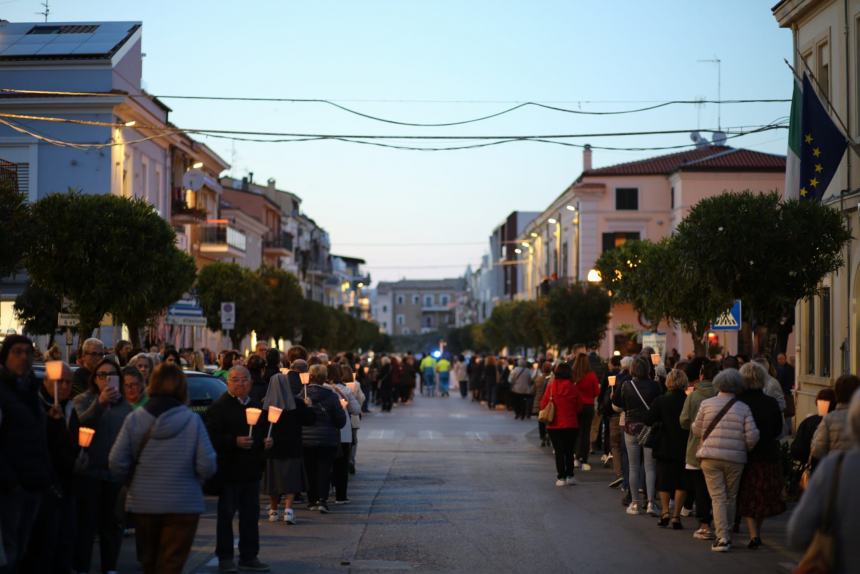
x=594 y=276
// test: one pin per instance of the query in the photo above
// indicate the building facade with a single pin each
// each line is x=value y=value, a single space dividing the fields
x=415 y=306
x=646 y=199
x=826 y=39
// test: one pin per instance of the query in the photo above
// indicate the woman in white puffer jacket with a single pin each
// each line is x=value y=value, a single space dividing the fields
x=723 y=452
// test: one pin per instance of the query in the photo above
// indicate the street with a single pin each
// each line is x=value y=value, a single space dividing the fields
x=446 y=486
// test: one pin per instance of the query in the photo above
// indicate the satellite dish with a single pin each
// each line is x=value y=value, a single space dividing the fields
x=193 y=179
x=719 y=138
x=695 y=137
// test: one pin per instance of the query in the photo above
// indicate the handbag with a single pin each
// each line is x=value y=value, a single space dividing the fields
x=547 y=414
x=821 y=552
x=647 y=436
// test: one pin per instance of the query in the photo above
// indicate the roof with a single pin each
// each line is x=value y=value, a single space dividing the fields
x=711 y=158
x=347 y=259
x=455 y=284
x=23 y=41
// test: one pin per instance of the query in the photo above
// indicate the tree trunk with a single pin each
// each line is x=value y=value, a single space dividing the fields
x=134 y=335
x=699 y=347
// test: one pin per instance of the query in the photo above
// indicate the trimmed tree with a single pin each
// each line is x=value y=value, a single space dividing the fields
x=577 y=314
x=14 y=223
x=283 y=301
x=222 y=282
x=37 y=309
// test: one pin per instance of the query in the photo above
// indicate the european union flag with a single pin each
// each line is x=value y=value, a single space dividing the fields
x=822 y=146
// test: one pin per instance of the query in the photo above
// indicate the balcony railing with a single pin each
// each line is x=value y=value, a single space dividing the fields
x=280 y=241
x=222 y=234
x=181 y=209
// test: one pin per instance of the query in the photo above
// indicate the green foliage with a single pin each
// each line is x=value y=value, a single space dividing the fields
x=513 y=324
x=466 y=338
x=577 y=314
x=223 y=282
x=283 y=302
x=766 y=253
x=318 y=325
x=14 y=223
x=37 y=309
x=100 y=251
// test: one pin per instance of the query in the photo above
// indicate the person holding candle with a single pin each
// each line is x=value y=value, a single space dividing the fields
x=284 y=475
x=25 y=466
x=51 y=548
x=164 y=454
x=832 y=433
x=240 y=464
x=801 y=446
x=320 y=441
x=103 y=409
x=348 y=401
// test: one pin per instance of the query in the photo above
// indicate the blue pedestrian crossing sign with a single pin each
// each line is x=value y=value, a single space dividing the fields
x=730 y=320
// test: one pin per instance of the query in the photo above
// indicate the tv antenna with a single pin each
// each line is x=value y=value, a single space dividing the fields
x=46 y=9
x=718 y=62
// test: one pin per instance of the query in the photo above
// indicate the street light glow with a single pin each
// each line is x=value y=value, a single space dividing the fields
x=533 y=234
x=570 y=208
x=197 y=165
x=525 y=243
x=552 y=220
x=594 y=276
x=130 y=124
x=518 y=250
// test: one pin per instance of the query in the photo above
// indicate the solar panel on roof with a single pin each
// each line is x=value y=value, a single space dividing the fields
x=62 y=39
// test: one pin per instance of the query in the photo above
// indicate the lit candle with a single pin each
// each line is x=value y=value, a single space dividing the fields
x=274 y=416
x=54 y=371
x=823 y=407
x=305 y=378
x=85 y=436
x=655 y=359
x=366 y=370
x=252 y=415
x=611 y=380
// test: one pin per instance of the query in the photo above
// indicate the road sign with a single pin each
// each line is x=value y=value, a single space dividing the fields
x=68 y=320
x=185 y=312
x=228 y=315
x=730 y=320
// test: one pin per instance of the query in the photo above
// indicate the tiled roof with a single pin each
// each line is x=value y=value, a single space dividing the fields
x=457 y=284
x=711 y=158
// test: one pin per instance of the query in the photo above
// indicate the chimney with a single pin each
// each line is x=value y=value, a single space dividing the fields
x=586 y=158
x=271 y=183
x=244 y=184
x=250 y=177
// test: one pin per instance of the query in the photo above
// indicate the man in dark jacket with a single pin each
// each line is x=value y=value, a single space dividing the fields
x=240 y=467
x=321 y=440
x=25 y=468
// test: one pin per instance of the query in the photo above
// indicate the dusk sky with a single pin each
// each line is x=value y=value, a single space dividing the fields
x=428 y=214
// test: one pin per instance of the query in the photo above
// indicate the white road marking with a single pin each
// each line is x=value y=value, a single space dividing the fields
x=479 y=436
x=429 y=434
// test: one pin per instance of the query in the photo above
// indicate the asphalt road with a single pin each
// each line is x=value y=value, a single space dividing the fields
x=445 y=485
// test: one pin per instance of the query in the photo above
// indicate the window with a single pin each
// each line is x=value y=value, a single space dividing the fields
x=810 y=337
x=415 y=299
x=627 y=198
x=428 y=300
x=445 y=319
x=400 y=299
x=823 y=72
x=385 y=308
x=825 y=332
x=443 y=300
x=144 y=181
x=401 y=320
x=428 y=321
x=672 y=198
x=564 y=259
x=617 y=239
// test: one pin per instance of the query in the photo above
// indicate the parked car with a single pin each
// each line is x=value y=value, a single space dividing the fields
x=203 y=390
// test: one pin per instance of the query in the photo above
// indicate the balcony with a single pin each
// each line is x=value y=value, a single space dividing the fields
x=278 y=245
x=181 y=213
x=221 y=240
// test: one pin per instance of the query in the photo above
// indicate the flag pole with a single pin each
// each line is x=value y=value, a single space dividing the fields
x=821 y=92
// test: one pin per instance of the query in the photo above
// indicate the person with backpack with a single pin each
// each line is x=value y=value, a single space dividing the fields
x=164 y=454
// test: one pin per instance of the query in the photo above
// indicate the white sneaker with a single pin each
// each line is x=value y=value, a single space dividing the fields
x=570 y=481
x=576 y=463
x=633 y=508
x=561 y=482
x=273 y=515
x=585 y=466
x=652 y=509
x=290 y=516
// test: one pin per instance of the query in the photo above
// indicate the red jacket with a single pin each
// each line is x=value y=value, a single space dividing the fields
x=567 y=401
x=589 y=388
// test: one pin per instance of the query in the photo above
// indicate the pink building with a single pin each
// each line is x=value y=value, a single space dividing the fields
x=645 y=199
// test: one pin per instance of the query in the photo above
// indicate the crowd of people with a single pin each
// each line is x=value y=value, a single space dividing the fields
x=111 y=447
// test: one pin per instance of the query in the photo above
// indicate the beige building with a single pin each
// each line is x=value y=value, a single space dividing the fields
x=644 y=199
x=414 y=306
x=826 y=37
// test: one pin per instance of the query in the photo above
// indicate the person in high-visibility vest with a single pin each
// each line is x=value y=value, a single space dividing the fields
x=428 y=375
x=443 y=370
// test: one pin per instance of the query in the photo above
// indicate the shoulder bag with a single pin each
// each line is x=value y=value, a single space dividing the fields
x=714 y=422
x=820 y=555
x=646 y=436
x=547 y=414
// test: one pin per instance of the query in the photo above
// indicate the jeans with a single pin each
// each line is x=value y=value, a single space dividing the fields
x=318 y=466
x=97 y=500
x=444 y=378
x=635 y=456
x=340 y=471
x=583 y=441
x=165 y=541
x=564 y=443
x=464 y=389
x=18 y=511
x=429 y=382
x=723 y=479
x=244 y=498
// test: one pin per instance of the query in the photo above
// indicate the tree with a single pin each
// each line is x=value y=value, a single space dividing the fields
x=577 y=314
x=498 y=328
x=176 y=274
x=222 y=282
x=97 y=250
x=530 y=326
x=14 y=223
x=318 y=325
x=37 y=309
x=766 y=253
x=282 y=304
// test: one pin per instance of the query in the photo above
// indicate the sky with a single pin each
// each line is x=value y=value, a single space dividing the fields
x=429 y=214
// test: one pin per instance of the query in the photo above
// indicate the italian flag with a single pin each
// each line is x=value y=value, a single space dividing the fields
x=792 y=163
